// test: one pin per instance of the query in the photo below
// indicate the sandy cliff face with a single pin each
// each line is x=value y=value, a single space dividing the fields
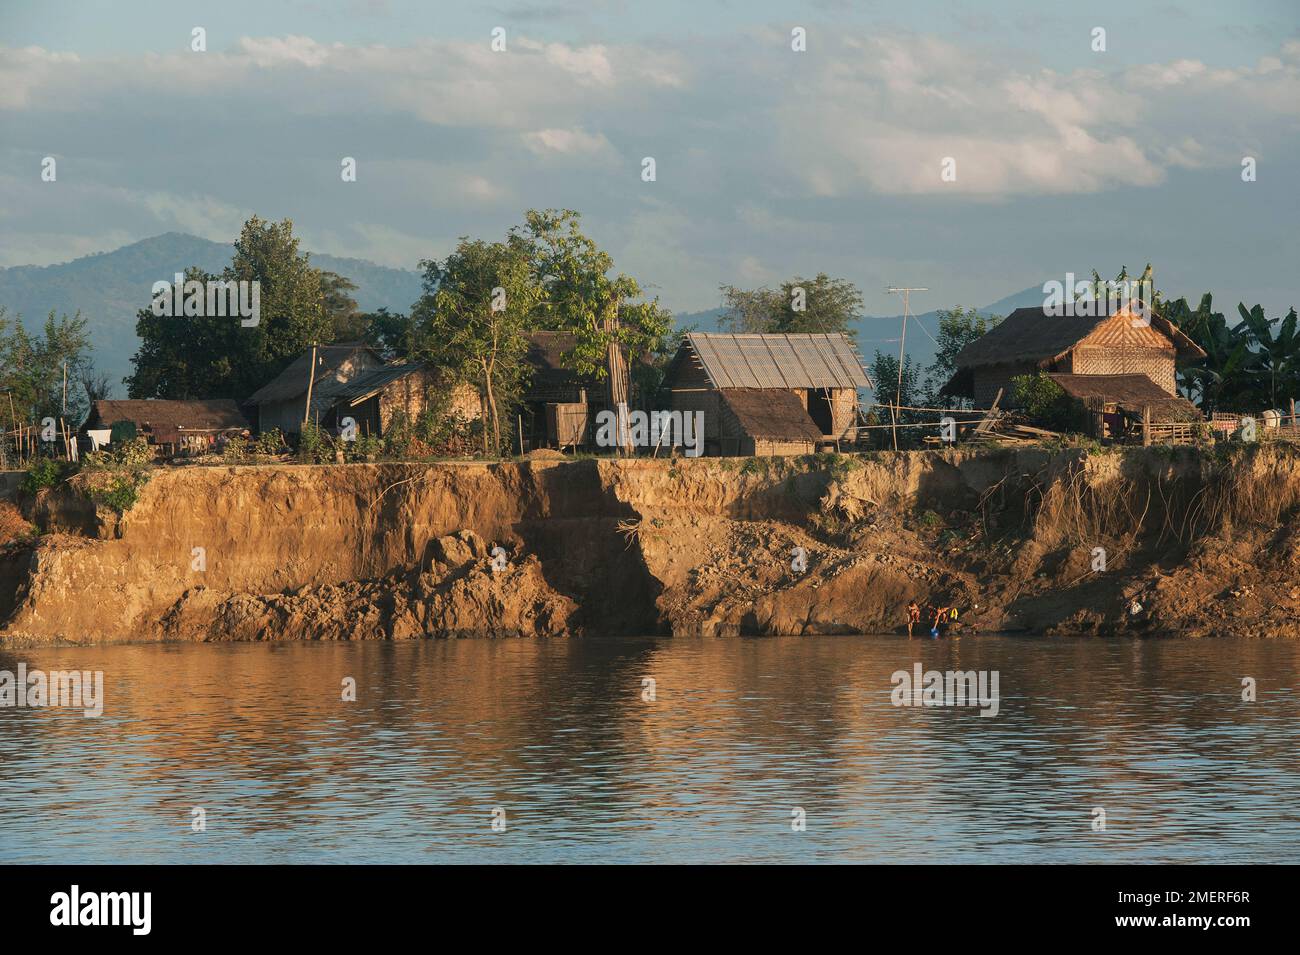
x=821 y=545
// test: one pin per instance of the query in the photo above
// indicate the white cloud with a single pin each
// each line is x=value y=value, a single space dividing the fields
x=567 y=142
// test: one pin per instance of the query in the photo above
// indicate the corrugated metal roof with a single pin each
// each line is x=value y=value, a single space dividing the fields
x=779 y=361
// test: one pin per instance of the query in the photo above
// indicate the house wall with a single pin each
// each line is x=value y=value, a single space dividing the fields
x=989 y=378
x=764 y=447
x=285 y=415
x=1157 y=364
x=708 y=402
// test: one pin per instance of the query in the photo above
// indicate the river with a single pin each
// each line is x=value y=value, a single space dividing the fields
x=741 y=750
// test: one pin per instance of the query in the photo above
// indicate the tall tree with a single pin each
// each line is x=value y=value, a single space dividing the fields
x=34 y=368
x=800 y=305
x=958 y=327
x=612 y=321
x=213 y=356
x=471 y=318
x=347 y=323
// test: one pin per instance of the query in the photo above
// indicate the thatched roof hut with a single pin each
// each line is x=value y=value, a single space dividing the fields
x=1030 y=340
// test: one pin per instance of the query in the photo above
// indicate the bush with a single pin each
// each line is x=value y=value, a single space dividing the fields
x=133 y=453
x=1045 y=402
x=236 y=450
x=271 y=442
x=121 y=492
x=41 y=473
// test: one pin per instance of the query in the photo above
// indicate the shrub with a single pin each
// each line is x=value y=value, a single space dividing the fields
x=41 y=473
x=133 y=453
x=271 y=442
x=1045 y=402
x=235 y=450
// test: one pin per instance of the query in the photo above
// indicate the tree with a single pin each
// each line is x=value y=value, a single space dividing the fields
x=800 y=305
x=212 y=356
x=471 y=319
x=347 y=324
x=32 y=368
x=958 y=327
x=884 y=372
x=607 y=313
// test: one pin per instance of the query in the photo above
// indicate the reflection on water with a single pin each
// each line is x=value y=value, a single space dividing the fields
x=741 y=733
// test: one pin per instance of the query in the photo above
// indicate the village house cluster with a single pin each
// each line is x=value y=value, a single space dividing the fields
x=723 y=394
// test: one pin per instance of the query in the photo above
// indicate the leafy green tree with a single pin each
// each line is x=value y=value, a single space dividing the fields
x=347 y=323
x=800 y=305
x=32 y=368
x=1045 y=402
x=1276 y=370
x=216 y=356
x=611 y=320
x=472 y=319
x=958 y=327
x=884 y=372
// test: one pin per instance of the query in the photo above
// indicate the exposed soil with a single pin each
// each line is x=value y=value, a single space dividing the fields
x=1194 y=544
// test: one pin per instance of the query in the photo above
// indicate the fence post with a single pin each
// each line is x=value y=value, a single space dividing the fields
x=1146 y=426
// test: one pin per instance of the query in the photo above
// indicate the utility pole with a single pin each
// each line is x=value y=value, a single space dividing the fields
x=898 y=393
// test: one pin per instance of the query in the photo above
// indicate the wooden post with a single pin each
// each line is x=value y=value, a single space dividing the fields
x=311 y=380
x=521 y=435
x=1146 y=426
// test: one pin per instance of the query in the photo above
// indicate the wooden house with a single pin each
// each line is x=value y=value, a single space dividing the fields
x=558 y=405
x=373 y=397
x=1114 y=406
x=282 y=402
x=768 y=394
x=171 y=426
x=1031 y=340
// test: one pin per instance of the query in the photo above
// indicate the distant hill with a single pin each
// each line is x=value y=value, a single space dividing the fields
x=110 y=287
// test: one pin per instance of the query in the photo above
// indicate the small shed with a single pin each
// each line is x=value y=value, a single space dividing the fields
x=768 y=393
x=373 y=397
x=282 y=402
x=558 y=404
x=1111 y=399
x=171 y=425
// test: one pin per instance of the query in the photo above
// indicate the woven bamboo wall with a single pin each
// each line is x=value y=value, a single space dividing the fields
x=1156 y=364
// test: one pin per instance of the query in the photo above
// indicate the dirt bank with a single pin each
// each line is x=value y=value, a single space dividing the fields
x=1193 y=543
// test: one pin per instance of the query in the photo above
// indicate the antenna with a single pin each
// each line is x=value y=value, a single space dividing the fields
x=902 y=341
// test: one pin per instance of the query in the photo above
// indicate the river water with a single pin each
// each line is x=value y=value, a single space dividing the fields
x=772 y=750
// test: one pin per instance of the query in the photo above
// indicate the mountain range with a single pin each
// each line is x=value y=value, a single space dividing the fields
x=108 y=288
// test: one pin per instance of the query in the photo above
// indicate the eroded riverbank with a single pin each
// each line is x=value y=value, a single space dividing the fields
x=1136 y=541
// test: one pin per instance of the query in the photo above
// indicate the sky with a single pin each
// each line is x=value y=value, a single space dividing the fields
x=770 y=162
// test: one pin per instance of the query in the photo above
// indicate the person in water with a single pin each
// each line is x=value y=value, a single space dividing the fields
x=913 y=617
x=940 y=615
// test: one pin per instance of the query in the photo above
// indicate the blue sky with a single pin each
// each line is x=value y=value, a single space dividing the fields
x=770 y=163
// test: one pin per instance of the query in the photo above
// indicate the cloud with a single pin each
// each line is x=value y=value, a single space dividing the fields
x=768 y=161
x=566 y=142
